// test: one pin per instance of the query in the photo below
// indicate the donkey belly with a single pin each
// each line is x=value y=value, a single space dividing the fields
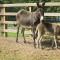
x=26 y=22
x=50 y=30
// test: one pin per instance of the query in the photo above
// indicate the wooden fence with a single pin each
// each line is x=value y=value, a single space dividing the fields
x=3 y=13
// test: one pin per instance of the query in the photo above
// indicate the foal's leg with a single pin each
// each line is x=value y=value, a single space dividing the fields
x=17 y=32
x=55 y=41
x=39 y=42
x=22 y=31
x=33 y=29
x=55 y=36
x=39 y=37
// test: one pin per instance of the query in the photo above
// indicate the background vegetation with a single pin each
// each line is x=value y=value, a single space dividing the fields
x=27 y=1
x=47 y=9
x=31 y=1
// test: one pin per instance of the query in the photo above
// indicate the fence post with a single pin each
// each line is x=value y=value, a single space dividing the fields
x=3 y=21
x=0 y=21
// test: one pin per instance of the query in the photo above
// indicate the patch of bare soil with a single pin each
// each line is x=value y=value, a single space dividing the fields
x=8 y=46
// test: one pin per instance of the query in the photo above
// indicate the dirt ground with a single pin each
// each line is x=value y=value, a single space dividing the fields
x=10 y=50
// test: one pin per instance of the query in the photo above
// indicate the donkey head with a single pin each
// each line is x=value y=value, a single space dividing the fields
x=40 y=5
x=41 y=9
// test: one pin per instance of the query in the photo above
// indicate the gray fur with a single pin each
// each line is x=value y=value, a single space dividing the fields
x=25 y=18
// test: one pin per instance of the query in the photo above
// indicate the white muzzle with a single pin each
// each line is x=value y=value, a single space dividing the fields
x=41 y=18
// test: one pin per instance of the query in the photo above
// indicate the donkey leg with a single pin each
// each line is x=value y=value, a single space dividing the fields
x=23 y=30
x=34 y=37
x=17 y=33
x=39 y=37
x=39 y=42
x=55 y=41
x=52 y=43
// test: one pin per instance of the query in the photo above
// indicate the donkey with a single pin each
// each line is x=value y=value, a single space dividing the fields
x=44 y=27
x=26 y=19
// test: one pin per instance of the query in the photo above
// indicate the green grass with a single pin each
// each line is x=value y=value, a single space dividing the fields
x=11 y=34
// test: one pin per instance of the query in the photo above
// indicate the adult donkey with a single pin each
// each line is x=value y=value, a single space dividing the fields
x=44 y=27
x=25 y=18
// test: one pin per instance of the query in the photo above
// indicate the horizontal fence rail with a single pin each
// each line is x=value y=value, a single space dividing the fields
x=8 y=14
x=3 y=13
x=29 y=4
x=14 y=14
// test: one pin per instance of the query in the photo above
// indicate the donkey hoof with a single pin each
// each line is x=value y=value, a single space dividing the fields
x=17 y=41
x=35 y=47
x=24 y=41
x=54 y=48
x=40 y=48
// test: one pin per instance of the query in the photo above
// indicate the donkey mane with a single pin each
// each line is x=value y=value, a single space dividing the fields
x=23 y=11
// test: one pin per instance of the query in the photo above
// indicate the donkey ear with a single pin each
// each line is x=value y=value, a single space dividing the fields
x=43 y=3
x=38 y=5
